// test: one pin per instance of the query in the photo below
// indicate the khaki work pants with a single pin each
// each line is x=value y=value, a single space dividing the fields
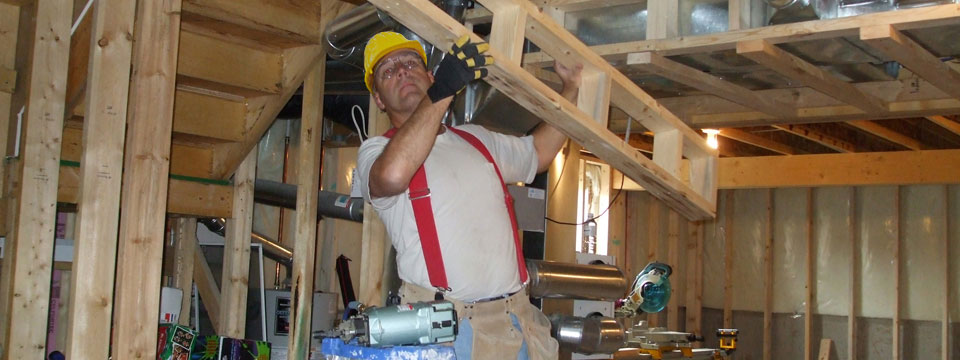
x=494 y=336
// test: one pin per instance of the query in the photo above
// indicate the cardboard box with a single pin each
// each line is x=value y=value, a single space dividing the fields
x=242 y=349
x=174 y=342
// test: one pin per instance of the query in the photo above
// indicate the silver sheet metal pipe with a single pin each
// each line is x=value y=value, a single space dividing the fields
x=557 y=280
x=587 y=335
x=329 y=204
x=272 y=249
x=349 y=31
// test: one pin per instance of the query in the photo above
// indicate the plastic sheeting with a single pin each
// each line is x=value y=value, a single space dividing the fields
x=922 y=258
x=877 y=209
x=714 y=245
x=789 y=250
x=749 y=244
x=831 y=229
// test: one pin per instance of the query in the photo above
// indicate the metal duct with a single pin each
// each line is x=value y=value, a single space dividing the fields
x=349 y=31
x=273 y=250
x=557 y=280
x=329 y=204
x=590 y=335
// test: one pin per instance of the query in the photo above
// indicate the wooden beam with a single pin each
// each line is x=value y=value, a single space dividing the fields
x=758 y=141
x=768 y=286
x=805 y=73
x=816 y=136
x=728 y=243
x=905 y=19
x=738 y=14
x=439 y=29
x=236 y=251
x=694 y=290
x=98 y=215
x=854 y=228
x=897 y=269
x=811 y=282
x=186 y=248
x=944 y=122
x=504 y=35
x=207 y=288
x=883 y=168
x=25 y=286
x=297 y=21
x=203 y=57
x=8 y=80
x=702 y=81
x=146 y=168
x=653 y=245
x=308 y=185
x=673 y=256
x=882 y=132
x=945 y=325
x=580 y=5
x=826 y=346
x=663 y=19
x=374 y=243
x=913 y=56
x=186 y=159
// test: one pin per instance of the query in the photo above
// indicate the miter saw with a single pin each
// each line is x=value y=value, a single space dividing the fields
x=650 y=291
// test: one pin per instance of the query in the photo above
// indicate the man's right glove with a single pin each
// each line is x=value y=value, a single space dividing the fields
x=462 y=65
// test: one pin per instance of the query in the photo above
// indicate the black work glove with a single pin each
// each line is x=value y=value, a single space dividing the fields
x=463 y=64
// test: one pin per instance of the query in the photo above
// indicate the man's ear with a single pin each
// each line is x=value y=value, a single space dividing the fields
x=376 y=99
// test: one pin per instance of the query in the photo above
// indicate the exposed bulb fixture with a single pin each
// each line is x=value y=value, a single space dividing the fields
x=712 y=137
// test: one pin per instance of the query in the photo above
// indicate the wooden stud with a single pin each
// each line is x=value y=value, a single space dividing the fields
x=207 y=288
x=758 y=141
x=8 y=80
x=673 y=254
x=293 y=21
x=882 y=168
x=236 y=251
x=728 y=261
x=694 y=290
x=887 y=134
x=768 y=280
x=186 y=248
x=308 y=185
x=826 y=346
x=668 y=151
x=593 y=96
x=738 y=14
x=504 y=35
x=700 y=80
x=580 y=5
x=814 y=135
x=945 y=326
x=913 y=56
x=146 y=167
x=663 y=18
x=440 y=29
x=101 y=169
x=653 y=245
x=9 y=24
x=897 y=268
x=854 y=277
x=374 y=243
x=793 y=67
x=202 y=57
x=811 y=282
x=944 y=122
x=25 y=285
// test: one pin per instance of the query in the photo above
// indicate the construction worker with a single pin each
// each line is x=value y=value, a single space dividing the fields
x=440 y=192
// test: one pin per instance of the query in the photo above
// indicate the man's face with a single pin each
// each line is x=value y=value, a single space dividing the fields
x=400 y=81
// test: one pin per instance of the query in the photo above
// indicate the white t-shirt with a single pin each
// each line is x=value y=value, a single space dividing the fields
x=473 y=225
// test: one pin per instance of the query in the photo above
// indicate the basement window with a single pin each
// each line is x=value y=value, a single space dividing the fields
x=593 y=200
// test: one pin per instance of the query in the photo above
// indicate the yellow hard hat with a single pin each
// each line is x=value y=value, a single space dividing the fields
x=382 y=44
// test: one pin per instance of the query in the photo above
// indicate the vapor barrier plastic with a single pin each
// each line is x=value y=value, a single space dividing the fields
x=789 y=250
x=831 y=226
x=877 y=209
x=713 y=253
x=749 y=231
x=921 y=278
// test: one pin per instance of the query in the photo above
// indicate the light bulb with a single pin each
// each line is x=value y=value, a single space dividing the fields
x=712 y=137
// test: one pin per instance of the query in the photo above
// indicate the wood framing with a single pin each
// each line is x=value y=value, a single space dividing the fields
x=101 y=170
x=945 y=325
x=308 y=185
x=811 y=282
x=816 y=136
x=944 y=122
x=882 y=132
x=910 y=54
x=728 y=242
x=897 y=270
x=799 y=70
x=694 y=291
x=700 y=80
x=185 y=234
x=768 y=285
x=854 y=275
x=42 y=51
x=439 y=29
x=207 y=288
x=663 y=19
x=374 y=242
x=881 y=168
x=653 y=246
x=145 y=178
x=8 y=80
x=236 y=251
x=673 y=256
x=756 y=140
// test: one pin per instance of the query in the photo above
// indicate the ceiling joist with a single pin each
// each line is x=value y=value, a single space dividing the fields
x=887 y=134
x=819 y=137
x=795 y=68
x=944 y=122
x=907 y=52
x=758 y=141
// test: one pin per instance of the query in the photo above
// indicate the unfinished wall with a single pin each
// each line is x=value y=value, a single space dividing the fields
x=857 y=236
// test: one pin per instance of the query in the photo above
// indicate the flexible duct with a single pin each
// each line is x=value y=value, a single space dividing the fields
x=349 y=31
x=587 y=335
x=557 y=280
x=329 y=204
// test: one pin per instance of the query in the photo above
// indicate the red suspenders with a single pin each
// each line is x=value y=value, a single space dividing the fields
x=419 y=194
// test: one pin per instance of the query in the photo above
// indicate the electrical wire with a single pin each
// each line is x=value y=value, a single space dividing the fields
x=353 y=115
x=595 y=217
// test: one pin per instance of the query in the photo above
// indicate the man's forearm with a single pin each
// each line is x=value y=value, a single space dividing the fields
x=407 y=149
x=547 y=140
